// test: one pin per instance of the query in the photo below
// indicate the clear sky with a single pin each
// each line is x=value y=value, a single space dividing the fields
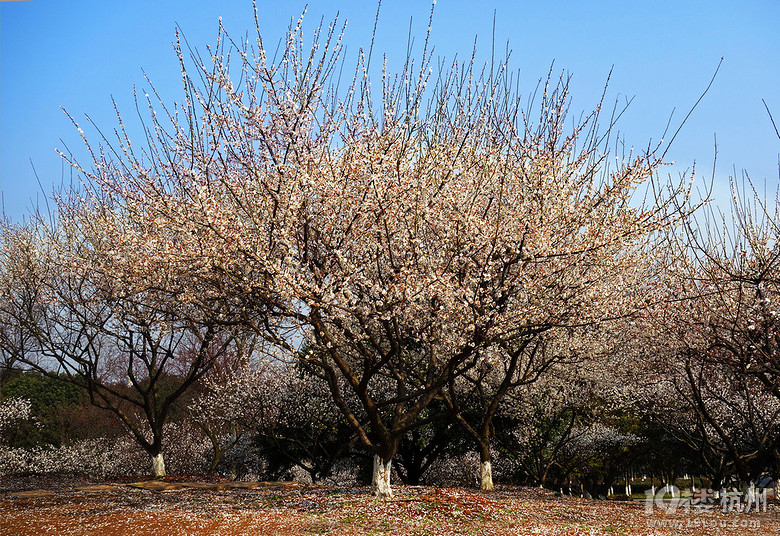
x=77 y=54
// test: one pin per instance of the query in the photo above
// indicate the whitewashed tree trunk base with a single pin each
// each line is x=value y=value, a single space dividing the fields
x=158 y=466
x=380 y=481
x=485 y=476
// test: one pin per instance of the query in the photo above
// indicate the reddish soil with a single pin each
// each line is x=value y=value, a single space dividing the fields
x=287 y=508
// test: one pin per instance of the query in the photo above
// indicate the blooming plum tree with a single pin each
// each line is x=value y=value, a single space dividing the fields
x=721 y=333
x=124 y=340
x=404 y=233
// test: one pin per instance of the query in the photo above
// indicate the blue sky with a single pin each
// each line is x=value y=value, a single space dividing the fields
x=78 y=54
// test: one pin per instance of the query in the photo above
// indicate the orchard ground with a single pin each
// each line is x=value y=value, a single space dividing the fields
x=61 y=506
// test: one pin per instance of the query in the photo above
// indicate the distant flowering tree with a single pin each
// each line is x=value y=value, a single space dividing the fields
x=506 y=379
x=225 y=411
x=120 y=335
x=287 y=414
x=13 y=410
x=541 y=424
x=727 y=420
x=309 y=431
x=719 y=358
x=16 y=342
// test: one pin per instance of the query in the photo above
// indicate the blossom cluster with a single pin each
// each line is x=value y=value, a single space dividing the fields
x=13 y=410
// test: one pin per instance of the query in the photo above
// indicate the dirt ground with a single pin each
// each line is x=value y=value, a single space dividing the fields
x=178 y=508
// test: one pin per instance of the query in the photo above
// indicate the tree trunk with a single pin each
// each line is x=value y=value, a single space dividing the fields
x=215 y=459
x=158 y=466
x=380 y=480
x=216 y=451
x=485 y=469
